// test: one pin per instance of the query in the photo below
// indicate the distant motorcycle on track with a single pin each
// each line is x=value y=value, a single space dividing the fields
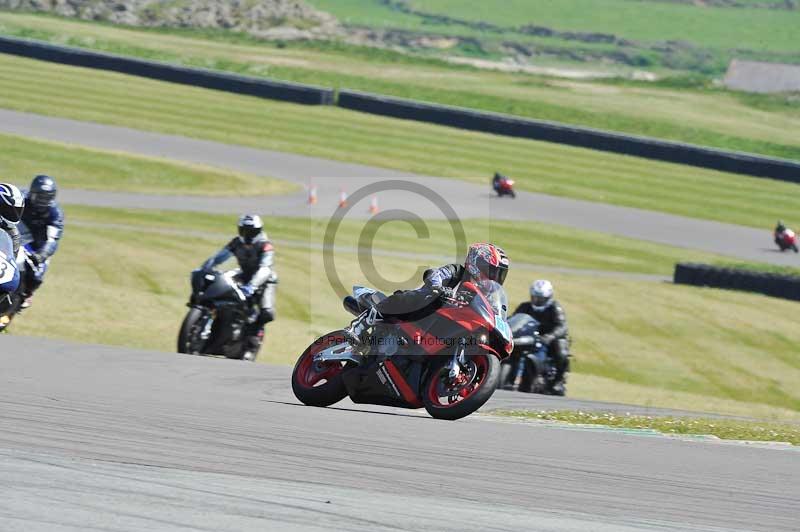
x=447 y=362
x=503 y=186
x=787 y=240
x=218 y=316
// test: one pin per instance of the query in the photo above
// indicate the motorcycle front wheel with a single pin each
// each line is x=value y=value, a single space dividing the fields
x=451 y=399
x=316 y=384
x=189 y=341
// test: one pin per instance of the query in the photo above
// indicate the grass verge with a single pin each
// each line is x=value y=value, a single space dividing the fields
x=726 y=429
x=104 y=97
x=694 y=113
x=76 y=167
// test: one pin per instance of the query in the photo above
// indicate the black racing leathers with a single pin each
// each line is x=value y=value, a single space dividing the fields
x=410 y=305
x=554 y=332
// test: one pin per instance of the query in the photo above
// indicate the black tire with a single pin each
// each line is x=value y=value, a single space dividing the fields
x=332 y=390
x=476 y=398
x=529 y=378
x=513 y=194
x=189 y=322
x=794 y=247
x=506 y=377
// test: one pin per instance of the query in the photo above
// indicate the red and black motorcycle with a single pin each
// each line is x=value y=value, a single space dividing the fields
x=447 y=361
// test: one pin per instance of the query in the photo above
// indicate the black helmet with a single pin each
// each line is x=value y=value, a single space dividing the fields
x=250 y=226
x=42 y=193
x=12 y=203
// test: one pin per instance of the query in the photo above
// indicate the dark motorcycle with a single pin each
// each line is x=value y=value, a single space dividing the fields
x=218 y=317
x=447 y=362
x=528 y=369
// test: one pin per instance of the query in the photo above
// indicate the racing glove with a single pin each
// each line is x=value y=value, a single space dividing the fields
x=248 y=291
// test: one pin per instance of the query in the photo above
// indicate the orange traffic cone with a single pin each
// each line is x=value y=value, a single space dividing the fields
x=312 y=195
x=373 y=205
x=342 y=199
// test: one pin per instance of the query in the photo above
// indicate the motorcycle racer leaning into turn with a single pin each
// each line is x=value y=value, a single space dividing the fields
x=12 y=205
x=256 y=257
x=484 y=262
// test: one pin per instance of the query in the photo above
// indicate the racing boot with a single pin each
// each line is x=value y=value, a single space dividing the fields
x=356 y=333
x=252 y=346
x=559 y=387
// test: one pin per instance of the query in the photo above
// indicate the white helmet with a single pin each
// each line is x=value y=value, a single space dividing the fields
x=250 y=226
x=541 y=294
x=12 y=203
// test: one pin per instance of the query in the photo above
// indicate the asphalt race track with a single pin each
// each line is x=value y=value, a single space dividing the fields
x=111 y=439
x=101 y=438
x=467 y=200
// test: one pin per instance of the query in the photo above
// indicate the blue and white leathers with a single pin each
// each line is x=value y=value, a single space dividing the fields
x=9 y=273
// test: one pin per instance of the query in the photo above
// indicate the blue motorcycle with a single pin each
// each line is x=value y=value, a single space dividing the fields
x=16 y=274
x=528 y=369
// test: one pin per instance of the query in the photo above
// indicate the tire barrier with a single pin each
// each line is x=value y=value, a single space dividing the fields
x=499 y=124
x=261 y=88
x=770 y=284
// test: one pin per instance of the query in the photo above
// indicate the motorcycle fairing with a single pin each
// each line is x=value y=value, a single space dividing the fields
x=391 y=382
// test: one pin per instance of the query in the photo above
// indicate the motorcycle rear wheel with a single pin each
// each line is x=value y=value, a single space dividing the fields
x=319 y=385
x=444 y=399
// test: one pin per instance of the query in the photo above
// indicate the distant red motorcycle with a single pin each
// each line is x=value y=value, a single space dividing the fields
x=447 y=362
x=786 y=240
x=503 y=186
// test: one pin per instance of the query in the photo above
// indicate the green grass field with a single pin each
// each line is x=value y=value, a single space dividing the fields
x=103 y=97
x=695 y=114
x=640 y=31
x=82 y=168
x=640 y=342
x=725 y=429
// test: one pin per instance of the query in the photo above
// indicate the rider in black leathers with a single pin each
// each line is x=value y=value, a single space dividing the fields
x=256 y=256
x=553 y=329
x=484 y=261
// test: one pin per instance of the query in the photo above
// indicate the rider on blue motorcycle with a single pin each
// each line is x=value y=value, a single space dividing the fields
x=45 y=221
x=553 y=328
x=12 y=205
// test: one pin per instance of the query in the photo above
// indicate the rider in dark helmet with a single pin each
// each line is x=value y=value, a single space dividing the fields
x=256 y=256
x=45 y=221
x=12 y=206
x=544 y=308
x=780 y=228
x=484 y=262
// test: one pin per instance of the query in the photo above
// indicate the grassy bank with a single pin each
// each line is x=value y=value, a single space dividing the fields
x=421 y=148
x=643 y=342
x=76 y=167
x=686 y=111
x=726 y=429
